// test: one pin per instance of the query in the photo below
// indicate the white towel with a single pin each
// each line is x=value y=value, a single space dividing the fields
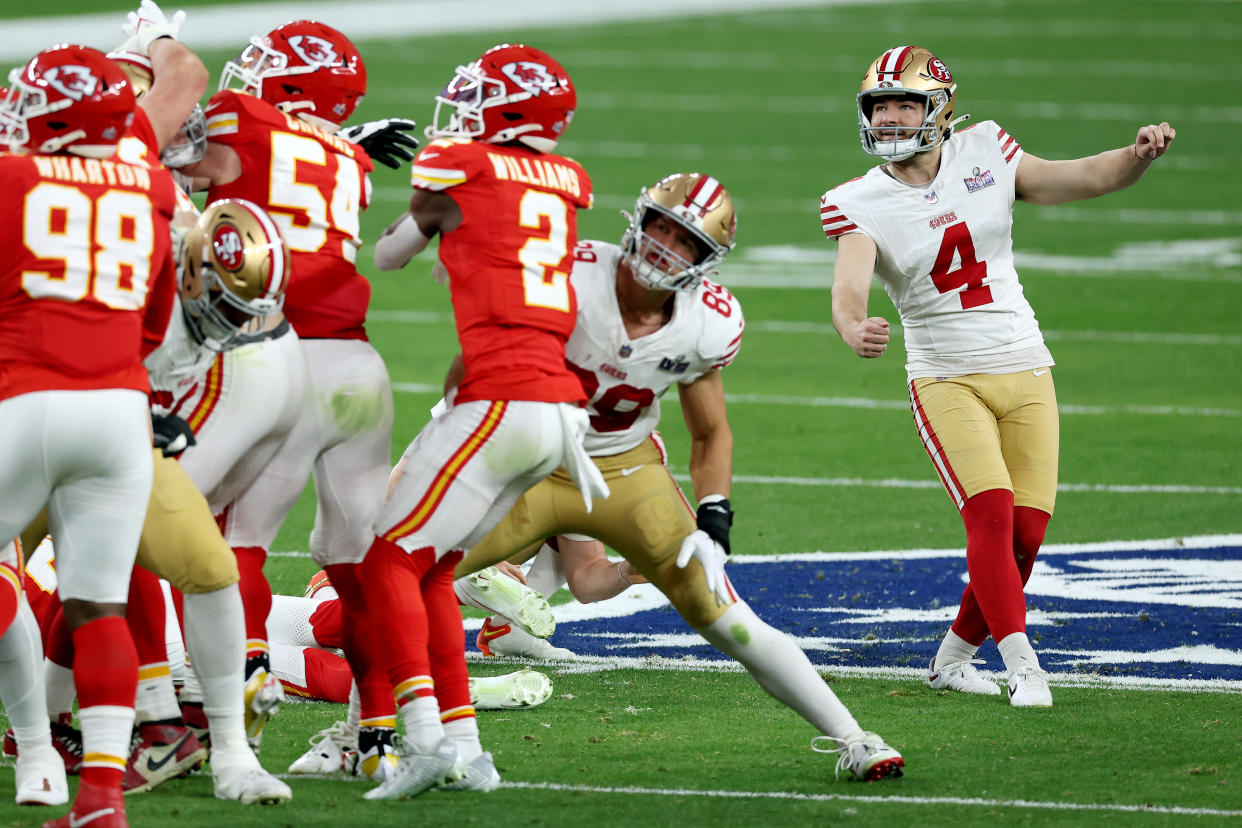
x=582 y=469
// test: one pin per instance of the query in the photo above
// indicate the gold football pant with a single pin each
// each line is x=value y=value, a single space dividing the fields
x=991 y=431
x=645 y=519
x=180 y=542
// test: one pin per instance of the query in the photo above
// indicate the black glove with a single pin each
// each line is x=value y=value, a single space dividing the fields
x=171 y=434
x=385 y=140
x=715 y=519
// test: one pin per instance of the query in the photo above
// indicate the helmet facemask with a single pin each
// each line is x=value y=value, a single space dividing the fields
x=189 y=145
x=927 y=135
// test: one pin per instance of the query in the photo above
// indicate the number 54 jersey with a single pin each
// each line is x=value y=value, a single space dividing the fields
x=624 y=378
x=945 y=256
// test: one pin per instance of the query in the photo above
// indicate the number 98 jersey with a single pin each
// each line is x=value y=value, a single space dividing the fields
x=624 y=378
x=945 y=256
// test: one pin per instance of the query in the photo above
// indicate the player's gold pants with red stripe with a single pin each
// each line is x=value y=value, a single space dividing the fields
x=991 y=431
x=645 y=519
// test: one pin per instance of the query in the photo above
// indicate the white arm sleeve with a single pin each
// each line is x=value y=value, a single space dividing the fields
x=394 y=251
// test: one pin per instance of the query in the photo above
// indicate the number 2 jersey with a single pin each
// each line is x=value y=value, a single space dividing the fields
x=625 y=378
x=508 y=262
x=87 y=259
x=945 y=256
x=314 y=185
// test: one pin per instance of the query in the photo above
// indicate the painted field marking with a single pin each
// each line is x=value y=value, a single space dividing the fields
x=880 y=799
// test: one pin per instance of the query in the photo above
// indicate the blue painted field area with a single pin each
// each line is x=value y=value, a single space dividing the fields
x=1162 y=612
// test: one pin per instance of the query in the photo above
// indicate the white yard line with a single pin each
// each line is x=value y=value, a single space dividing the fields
x=880 y=799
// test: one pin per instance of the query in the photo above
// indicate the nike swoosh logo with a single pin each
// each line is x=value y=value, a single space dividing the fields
x=427 y=155
x=1012 y=689
x=1039 y=373
x=933 y=677
x=493 y=632
x=78 y=822
x=153 y=765
x=631 y=470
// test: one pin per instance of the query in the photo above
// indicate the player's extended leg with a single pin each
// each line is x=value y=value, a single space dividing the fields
x=957 y=421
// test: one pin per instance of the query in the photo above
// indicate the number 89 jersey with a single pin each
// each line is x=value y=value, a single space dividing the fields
x=624 y=378
x=945 y=256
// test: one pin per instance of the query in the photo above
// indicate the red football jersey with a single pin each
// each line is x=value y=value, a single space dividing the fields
x=315 y=187
x=86 y=245
x=509 y=262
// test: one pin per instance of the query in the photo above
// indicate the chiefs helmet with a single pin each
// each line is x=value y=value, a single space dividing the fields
x=302 y=67
x=511 y=93
x=698 y=203
x=902 y=71
x=69 y=98
x=234 y=268
x=189 y=145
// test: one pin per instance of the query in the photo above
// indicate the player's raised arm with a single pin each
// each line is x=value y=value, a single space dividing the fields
x=1040 y=181
x=405 y=238
x=866 y=335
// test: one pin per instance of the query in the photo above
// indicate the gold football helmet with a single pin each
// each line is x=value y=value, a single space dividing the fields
x=698 y=203
x=189 y=145
x=234 y=269
x=902 y=71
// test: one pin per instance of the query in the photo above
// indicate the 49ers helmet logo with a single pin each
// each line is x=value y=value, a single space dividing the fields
x=533 y=77
x=72 y=81
x=226 y=243
x=315 y=50
x=937 y=69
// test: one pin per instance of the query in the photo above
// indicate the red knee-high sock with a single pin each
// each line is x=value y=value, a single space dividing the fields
x=1029 y=525
x=10 y=595
x=145 y=617
x=447 y=643
x=105 y=671
x=365 y=647
x=256 y=594
x=994 y=580
x=58 y=641
x=327 y=676
x=397 y=607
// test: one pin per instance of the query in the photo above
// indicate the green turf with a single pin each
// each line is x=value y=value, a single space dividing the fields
x=764 y=101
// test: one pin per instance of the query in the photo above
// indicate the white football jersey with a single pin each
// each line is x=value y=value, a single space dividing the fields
x=945 y=256
x=177 y=364
x=624 y=378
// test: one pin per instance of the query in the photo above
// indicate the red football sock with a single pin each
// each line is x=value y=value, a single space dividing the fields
x=145 y=617
x=105 y=671
x=58 y=646
x=256 y=595
x=365 y=650
x=994 y=580
x=327 y=676
x=397 y=608
x=1029 y=525
x=446 y=644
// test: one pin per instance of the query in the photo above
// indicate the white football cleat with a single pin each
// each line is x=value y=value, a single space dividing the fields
x=491 y=590
x=480 y=775
x=328 y=750
x=864 y=754
x=500 y=639
x=962 y=677
x=246 y=783
x=263 y=695
x=525 y=688
x=419 y=772
x=40 y=777
x=1028 y=687
x=379 y=760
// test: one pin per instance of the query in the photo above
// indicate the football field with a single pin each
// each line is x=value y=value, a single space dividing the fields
x=844 y=537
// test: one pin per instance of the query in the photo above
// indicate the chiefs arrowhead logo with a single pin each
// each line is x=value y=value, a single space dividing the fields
x=315 y=50
x=533 y=77
x=228 y=247
x=72 y=81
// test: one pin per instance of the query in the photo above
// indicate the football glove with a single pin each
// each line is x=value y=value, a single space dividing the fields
x=699 y=545
x=384 y=140
x=149 y=24
x=171 y=434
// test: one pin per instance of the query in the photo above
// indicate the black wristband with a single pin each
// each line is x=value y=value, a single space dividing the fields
x=715 y=518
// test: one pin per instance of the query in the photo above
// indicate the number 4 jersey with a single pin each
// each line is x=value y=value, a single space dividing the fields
x=508 y=262
x=625 y=378
x=945 y=256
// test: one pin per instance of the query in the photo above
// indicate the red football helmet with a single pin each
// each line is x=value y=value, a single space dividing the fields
x=511 y=93
x=70 y=98
x=303 y=66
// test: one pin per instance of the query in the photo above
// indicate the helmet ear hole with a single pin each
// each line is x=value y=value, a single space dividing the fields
x=511 y=116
